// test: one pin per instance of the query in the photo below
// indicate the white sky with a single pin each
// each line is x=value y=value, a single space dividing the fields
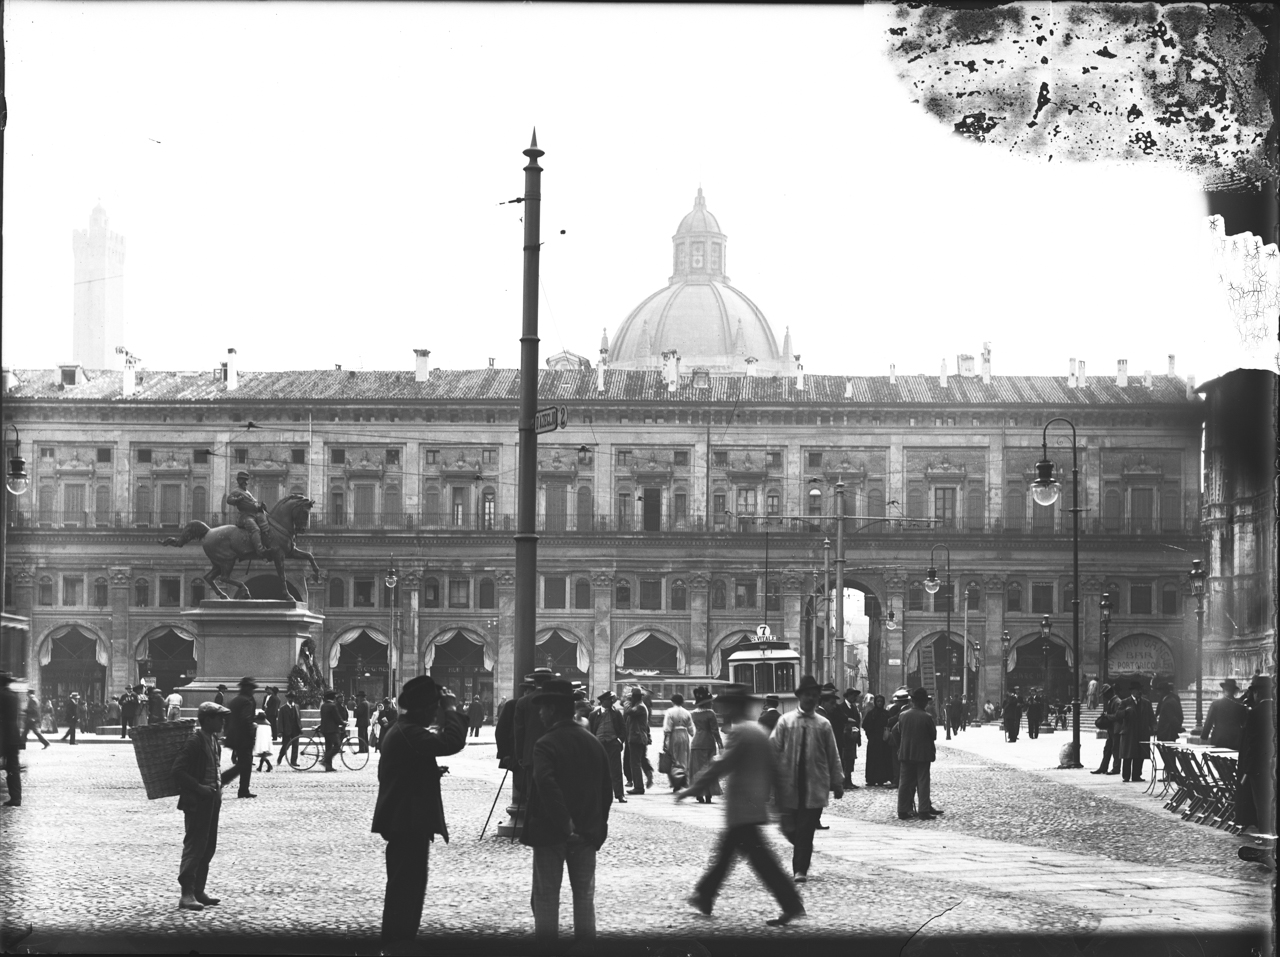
x=326 y=181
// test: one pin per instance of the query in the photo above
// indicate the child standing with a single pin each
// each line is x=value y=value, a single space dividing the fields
x=262 y=742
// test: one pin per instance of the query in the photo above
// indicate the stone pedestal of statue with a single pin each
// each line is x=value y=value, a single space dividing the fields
x=239 y=637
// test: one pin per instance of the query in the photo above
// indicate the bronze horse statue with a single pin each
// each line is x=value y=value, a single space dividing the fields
x=228 y=544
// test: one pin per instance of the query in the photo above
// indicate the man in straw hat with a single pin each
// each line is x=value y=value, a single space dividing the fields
x=605 y=722
x=750 y=764
x=1225 y=719
x=809 y=763
x=195 y=771
x=914 y=736
x=409 y=811
x=570 y=792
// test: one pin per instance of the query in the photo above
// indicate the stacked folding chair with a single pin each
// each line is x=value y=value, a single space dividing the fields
x=1226 y=778
x=1174 y=778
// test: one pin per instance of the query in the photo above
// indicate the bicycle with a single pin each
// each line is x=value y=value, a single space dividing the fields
x=311 y=751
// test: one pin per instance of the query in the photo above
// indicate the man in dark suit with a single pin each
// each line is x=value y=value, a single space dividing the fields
x=606 y=723
x=218 y=698
x=570 y=792
x=504 y=729
x=1011 y=715
x=1225 y=718
x=1035 y=712
x=528 y=727
x=1137 y=724
x=31 y=718
x=11 y=711
x=272 y=707
x=770 y=714
x=410 y=812
x=241 y=736
x=128 y=712
x=332 y=725
x=362 y=720
x=1110 y=718
x=915 y=734
x=195 y=770
x=73 y=717
x=290 y=719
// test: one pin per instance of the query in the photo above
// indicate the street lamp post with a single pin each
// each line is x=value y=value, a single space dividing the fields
x=1046 y=489
x=1005 y=641
x=391 y=580
x=1104 y=607
x=838 y=670
x=1198 y=576
x=826 y=610
x=931 y=585
x=892 y=624
x=1046 y=726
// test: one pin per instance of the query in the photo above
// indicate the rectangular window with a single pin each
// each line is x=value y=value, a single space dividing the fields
x=1042 y=598
x=944 y=507
x=744 y=593
x=681 y=457
x=814 y=460
x=104 y=455
x=362 y=593
x=623 y=457
x=460 y=504
x=622 y=596
x=773 y=504
x=431 y=457
x=200 y=456
x=144 y=456
x=298 y=456
x=680 y=505
x=553 y=592
x=242 y=456
x=337 y=456
x=170 y=592
x=46 y=592
x=100 y=594
x=72 y=590
x=1142 y=508
x=585 y=456
x=718 y=510
x=1140 y=598
x=746 y=501
x=774 y=460
x=1013 y=598
x=459 y=592
x=489 y=456
x=1169 y=600
x=651 y=594
x=721 y=459
x=393 y=456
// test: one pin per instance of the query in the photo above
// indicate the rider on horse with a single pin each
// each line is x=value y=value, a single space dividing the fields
x=251 y=513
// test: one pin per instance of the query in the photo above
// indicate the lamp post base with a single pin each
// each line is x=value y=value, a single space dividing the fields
x=1069 y=757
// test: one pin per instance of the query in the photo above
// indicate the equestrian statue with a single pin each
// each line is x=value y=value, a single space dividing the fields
x=258 y=532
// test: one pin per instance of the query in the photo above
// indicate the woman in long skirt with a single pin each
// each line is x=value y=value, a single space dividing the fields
x=677 y=732
x=706 y=741
x=879 y=762
x=48 y=720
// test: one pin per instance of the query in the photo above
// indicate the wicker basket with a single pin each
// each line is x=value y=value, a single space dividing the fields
x=156 y=746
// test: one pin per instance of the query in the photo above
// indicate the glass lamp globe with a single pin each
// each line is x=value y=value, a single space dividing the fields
x=931 y=583
x=17 y=481
x=1045 y=488
x=391 y=580
x=891 y=622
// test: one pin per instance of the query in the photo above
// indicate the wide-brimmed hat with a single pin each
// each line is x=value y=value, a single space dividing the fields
x=636 y=692
x=808 y=683
x=771 y=699
x=330 y=695
x=540 y=675
x=851 y=693
x=75 y=694
x=1106 y=689
x=606 y=695
x=360 y=694
x=921 y=695
x=734 y=694
x=1229 y=684
x=829 y=690
x=419 y=692
x=220 y=687
x=701 y=693
x=902 y=694
x=554 y=689
x=248 y=684
x=1261 y=683
x=1135 y=685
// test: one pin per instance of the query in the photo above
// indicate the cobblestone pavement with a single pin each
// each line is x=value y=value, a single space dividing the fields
x=92 y=865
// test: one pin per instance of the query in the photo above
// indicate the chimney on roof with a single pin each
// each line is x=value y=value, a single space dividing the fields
x=233 y=380
x=893 y=379
x=799 y=375
x=671 y=369
x=986 y=363
x=422 y=365
x=491 y=361
x=600 y=375
x=128 y=381
x=1071 y=375
x=848 y=388
x=964 y=365
x=751 y=366
x=1146 y=379
x=1191 y=387
x=1122 y=372
x=1171 y=372
x=942 y=376
x=1081 y=377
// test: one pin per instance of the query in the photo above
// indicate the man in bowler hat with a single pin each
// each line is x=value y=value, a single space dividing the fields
x=195 y=770
x=570 y=791
x=242 y=735
x=1110 y=719
x=915 y=734
x=605 y=722
x=290 y=719
x=361 y=712
x=1137 y=724
x=1225 y=718
x=809 y=768
x=528 y=727
x=749 y=763
x=409 y=811
x=332 y=725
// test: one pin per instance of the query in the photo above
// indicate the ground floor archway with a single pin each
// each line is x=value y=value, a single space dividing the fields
x=361 y=664
x=1140 y=657
x=458 y=661
x=73 y=659
x=938 y=665
x=1027 y=668
x=562 y=652
x=168 y=656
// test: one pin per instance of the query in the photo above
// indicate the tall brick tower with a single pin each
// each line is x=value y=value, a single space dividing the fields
x=99 y=294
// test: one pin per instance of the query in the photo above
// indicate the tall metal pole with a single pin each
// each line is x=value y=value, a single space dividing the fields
x=946 y=697
x=1073 y=760
x=838 y=675
x=526 y=499
x=826 y=610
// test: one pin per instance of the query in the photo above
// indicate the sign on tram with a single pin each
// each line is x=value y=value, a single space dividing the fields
x=550 y=419
x=763 y=632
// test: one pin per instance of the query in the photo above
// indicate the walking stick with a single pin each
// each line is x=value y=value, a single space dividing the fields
x=495 y=803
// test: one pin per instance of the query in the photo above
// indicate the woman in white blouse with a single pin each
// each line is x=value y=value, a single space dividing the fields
x=677 y=728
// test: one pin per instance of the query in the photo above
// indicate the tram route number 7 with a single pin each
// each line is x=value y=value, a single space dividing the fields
x=550 y=419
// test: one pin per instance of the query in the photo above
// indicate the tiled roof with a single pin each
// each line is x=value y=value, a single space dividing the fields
x=503 y=385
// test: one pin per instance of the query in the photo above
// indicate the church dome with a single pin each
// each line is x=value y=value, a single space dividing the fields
x=698 y=314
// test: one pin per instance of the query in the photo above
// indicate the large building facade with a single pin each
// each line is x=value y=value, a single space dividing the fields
x=685 y=504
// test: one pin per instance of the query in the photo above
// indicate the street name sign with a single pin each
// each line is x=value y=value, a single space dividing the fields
x=550 y=419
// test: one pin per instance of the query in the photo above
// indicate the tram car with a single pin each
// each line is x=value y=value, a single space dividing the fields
x=767 y=666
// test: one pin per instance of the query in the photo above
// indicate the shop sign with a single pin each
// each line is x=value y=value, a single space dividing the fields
x=1140 y=654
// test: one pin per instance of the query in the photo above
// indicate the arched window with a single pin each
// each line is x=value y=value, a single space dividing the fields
x=586 y=508
x=973 y=597
x=773 y=595
x=431 y=506
x=1013 y=597
x=582 y=594
x=652 y=654
x=488 y=509
x=915 y=596
x=718 y=594
x=679 y=596
x=622 y=594
x=141 y=593
x=200 y=503
x=1112 y=513
x=975 y=510
x=484 y=594
x=1015 y=509
x=430 y=593
x=875 y=502
x=915 y=503
x=102 y=505
x=337 y=593
x=392 y=507
x=815 y=501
